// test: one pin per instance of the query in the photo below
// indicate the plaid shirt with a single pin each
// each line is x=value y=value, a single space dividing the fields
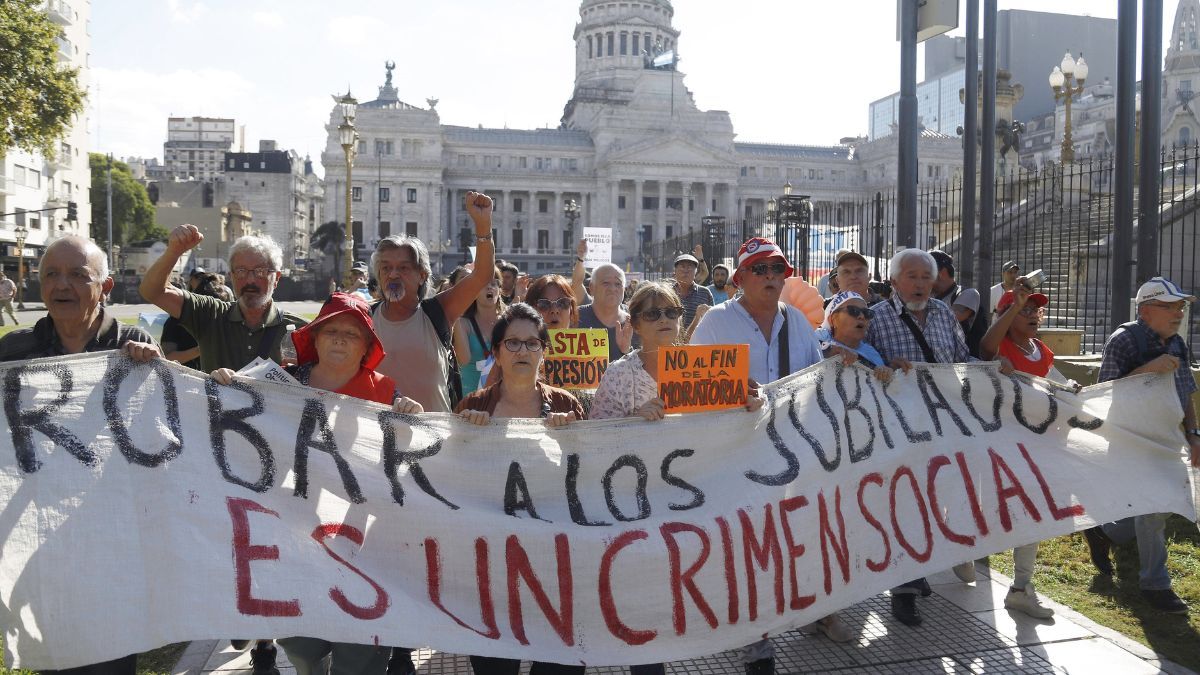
x=892 y=338
x=1121 y=357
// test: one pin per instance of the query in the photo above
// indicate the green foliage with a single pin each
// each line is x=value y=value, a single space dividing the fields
x=38 y=97
x=133 y=214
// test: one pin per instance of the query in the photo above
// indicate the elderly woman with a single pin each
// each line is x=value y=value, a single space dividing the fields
x=552 y=297
x=847 y=318
x=630 y=388
x=1013 y=341
x=338 y=352
x=518 y=341
x=470 y=346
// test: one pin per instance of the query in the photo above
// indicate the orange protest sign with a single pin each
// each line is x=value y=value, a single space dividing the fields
x=695 y=378
x=576 y=358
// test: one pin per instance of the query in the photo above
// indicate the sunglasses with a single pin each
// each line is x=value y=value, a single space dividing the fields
x=545 y=305
x=761 y=269
x=533 y=345
x=655 y=314
x=858 y=312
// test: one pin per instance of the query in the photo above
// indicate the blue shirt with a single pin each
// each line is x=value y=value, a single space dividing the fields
x=730 y=324
x=1121 y=357
x=865 y=350
x=719 y=296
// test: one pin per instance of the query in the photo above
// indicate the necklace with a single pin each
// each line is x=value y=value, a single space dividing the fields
x=1027 y=352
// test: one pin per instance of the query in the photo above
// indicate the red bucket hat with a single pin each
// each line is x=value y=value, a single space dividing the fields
x=339 y=304
x=757 y=249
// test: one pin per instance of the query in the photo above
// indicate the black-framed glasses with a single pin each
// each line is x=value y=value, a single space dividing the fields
x=656 y=313
x=761 y=269
x=858 y=312
x=260 y=272
x=545 y=305
x=532 y=345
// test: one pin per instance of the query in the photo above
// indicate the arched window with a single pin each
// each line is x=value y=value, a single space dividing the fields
x=591 y=53
x=1185 y=135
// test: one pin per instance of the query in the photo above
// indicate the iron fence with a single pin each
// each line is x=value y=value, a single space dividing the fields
x=1059 y=219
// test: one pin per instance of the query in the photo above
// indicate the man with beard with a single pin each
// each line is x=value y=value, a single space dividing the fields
x=916 y=327
x=720 y=278
x=230 y=334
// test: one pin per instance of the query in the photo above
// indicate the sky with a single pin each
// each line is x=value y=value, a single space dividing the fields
x=787 y=71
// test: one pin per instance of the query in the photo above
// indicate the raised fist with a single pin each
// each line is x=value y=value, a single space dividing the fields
x=184 y=238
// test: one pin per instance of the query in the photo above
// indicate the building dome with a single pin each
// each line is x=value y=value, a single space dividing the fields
x=615 y=39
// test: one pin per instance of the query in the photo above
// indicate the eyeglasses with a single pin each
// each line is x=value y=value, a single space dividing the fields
x=260 y=272
x=858 y=312
x=656 y=313
x=1031 y=310
x=561 y=304
x=532 y=345
x=761 y=269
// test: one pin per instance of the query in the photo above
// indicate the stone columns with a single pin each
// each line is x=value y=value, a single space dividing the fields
x=708 y=197
x=638 y=188
x=556 y=238
x=661 y=229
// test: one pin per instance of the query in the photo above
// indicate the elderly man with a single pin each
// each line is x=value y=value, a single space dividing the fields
x=781 y=342
x=914 y=326
x=692 y=295
x=415 y=331
x=1151 y=344
x=852 y=274
x=605 y=311
x=8 y=291
x=230 y=334
x=75 y=281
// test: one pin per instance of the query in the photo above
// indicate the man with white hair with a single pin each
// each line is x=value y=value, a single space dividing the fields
x=230 y=334
x=605 y=311
x=914 y=326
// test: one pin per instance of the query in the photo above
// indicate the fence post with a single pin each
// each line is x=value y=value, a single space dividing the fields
x=1151 y=143
x=878 y=233
x=987 y=177
x=1122 y=241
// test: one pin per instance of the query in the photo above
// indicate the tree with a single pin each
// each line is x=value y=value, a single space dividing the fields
x=133 y=214
x=39 y=98
x=328 y=239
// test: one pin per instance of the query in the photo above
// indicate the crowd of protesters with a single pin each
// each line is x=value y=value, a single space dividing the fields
x=475 y=345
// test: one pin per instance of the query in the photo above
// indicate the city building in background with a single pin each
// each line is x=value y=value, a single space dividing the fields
x=195 y=147
x=31 y=182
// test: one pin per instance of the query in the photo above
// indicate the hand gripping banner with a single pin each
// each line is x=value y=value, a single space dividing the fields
x=144 y=504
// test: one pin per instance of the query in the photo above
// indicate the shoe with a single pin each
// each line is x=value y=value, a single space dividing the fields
x=1165 y=600
x=904 y=608
x=923 y=585
x=400 y=662
x=1026 y=600
x=835 y=629
x=761 y=667
x=262 y=659
x=1098 y=546
x=239 y=644
x=965 y=572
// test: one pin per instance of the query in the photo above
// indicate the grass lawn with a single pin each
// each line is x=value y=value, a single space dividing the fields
x=1065 y=573
x=156 y=662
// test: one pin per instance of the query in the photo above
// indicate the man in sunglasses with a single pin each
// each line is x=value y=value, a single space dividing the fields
x=758 y=318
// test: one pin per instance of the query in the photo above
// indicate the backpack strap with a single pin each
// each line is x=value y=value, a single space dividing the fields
x=785 y=355
x=437 y=316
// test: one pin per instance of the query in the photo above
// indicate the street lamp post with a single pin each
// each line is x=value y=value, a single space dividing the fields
x=21 y=232
x=571 y=212
x=793 y=213
x=348 y=137
x=1067 y=82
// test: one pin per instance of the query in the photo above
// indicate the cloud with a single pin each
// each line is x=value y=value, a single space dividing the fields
x=267 y=19
x=355 y=30
x=186 y=12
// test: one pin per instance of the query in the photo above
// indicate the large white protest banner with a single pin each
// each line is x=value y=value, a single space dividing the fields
x=144 y=505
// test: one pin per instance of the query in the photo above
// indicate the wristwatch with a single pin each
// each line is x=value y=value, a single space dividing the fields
x=483 y=237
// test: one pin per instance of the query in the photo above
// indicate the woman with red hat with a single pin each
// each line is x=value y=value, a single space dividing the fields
x=1013 y=341
x=338 y=352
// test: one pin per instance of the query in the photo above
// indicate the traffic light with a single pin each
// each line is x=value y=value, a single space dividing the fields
x=72 y=212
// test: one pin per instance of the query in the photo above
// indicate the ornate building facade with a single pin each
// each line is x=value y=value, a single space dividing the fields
x=633 y=151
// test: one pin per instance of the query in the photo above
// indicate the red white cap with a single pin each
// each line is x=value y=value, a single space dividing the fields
x=757 y=249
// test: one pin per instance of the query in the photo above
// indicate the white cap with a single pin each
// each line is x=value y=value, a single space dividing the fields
x=1162 y=290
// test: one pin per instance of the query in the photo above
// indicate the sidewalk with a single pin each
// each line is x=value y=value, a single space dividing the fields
x=966 y=630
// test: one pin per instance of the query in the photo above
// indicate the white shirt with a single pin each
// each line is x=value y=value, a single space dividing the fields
x=730 y=324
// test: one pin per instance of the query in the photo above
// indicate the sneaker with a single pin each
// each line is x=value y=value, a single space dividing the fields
x=835 y=629
x=262 y=659
x=965 y=572
x=923 y=585
x=1165 y=600
x=1026 y=600
x=1098 y=546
